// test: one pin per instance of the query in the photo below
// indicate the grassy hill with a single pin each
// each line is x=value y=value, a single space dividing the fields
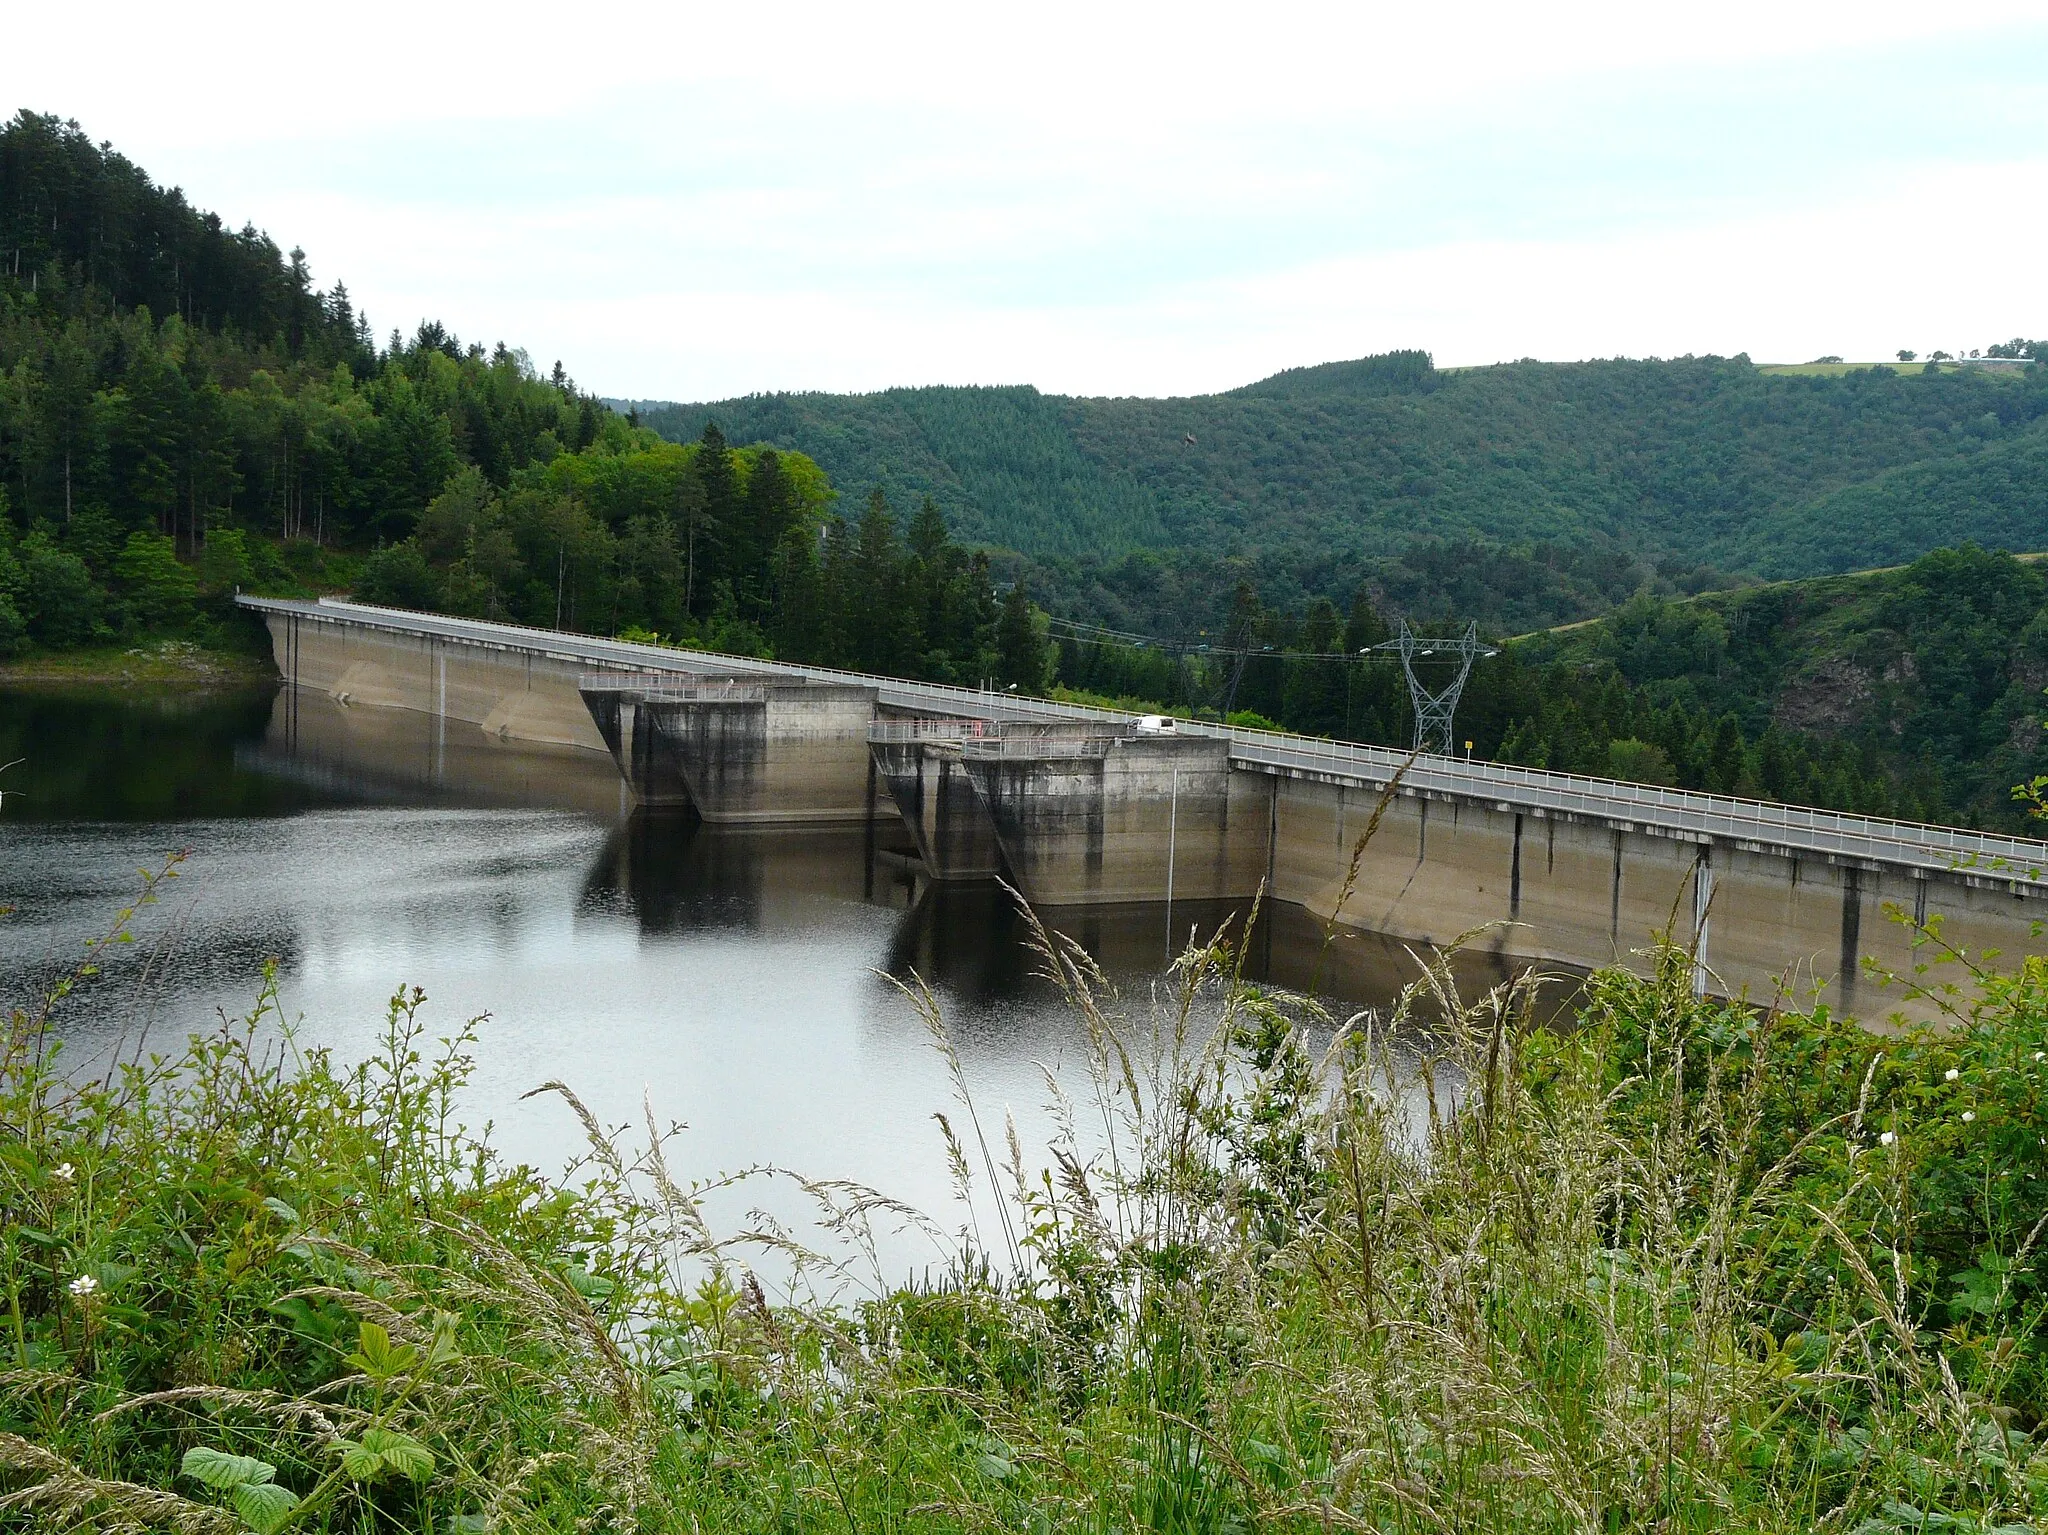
x=1590 y=479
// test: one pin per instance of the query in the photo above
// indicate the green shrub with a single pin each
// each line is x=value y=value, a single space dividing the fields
x=158 y=588
x=398 y=577
x=60 y=602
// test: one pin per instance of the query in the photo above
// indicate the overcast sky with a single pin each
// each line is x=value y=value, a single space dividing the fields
x=691 y=202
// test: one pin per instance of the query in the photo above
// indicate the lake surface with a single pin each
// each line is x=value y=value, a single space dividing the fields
x=735 y=979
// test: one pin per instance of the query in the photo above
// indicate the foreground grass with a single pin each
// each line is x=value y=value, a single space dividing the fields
x=1685 y=1267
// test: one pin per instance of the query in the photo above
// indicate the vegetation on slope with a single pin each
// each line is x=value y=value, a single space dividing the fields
x=1679 y=1265
x=182 y=413
x=251 y=435
x=1911 y=692
x=183 y=416
x=1932 y=674
x=1319 y=478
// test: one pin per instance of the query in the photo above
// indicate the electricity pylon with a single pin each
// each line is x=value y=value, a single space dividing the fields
x=1434 y=707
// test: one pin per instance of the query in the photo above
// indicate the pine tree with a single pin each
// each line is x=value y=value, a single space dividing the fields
x=770 y=508
x=713 y=514
x=1314 y=701
x=1365 y=626
x=879 y=624
x=1020 y=649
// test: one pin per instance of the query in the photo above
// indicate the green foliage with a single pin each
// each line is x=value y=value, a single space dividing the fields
x=1634 y=761
x=158 y=590
x=1523 y=494
x=1914 y=691
x=1020 y=649
x=60 y=600
x=249 y=1483
x=1676 y=1264
x=162 y=376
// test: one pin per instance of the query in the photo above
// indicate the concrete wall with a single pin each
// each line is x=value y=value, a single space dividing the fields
x=1081 y=828
x=630 y=727
x=410 y=755
x=507 y=695
x=938 y=802
x=777 y=752
x=1585 y=893
x=798 y=754
x=1093 y=827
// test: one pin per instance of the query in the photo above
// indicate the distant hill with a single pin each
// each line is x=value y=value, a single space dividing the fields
x=1318 y=478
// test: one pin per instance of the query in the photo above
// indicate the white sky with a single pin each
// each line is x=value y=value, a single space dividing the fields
x=690 y=202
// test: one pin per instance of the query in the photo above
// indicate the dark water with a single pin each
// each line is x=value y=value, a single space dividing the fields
x=734 y=979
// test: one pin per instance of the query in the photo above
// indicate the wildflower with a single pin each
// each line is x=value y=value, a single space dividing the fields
x=2041 y=1055
x=83 y=1286
x=1886 y=1139
x=62 y=1173
x=1950 y=1075
x=1969 y=1115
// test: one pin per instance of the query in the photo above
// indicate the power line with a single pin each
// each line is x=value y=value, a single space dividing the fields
x=1101 y=634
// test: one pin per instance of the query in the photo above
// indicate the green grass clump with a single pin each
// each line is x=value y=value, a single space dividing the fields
x=1682 y=1265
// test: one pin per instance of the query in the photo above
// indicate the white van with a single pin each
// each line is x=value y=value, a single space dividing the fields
x=1154 y=725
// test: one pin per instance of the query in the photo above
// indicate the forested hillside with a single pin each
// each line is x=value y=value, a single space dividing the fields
x=1932 y=674
x=1578 y=482
x=183 y=413
x=1914 y=692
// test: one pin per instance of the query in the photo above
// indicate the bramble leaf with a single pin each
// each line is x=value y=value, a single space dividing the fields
x=400 y=1453
x=376 y=1355
x=359 y=1464
x=225 y=1472
x=264 y=1506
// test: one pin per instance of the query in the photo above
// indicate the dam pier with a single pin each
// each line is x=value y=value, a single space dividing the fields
x=1080 y=807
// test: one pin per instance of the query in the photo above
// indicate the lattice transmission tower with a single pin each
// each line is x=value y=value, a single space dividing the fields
x=1435 y=707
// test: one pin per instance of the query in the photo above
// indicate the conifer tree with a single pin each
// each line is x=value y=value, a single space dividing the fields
x=718 y=477
x=1020 y=650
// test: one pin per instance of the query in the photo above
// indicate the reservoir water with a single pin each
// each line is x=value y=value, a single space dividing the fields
x=741 y=981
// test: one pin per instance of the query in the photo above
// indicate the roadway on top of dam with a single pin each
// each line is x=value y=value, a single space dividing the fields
x=1979 y=857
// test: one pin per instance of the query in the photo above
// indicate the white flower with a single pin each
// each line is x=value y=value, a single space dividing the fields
x=83 y=1286
x=1968 y=1115
x=62 y=1173
x=1950 y=1075
x=1886 y=1139
x=2041 y=1055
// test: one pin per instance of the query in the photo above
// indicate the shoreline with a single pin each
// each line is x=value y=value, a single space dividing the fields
x=179 y=664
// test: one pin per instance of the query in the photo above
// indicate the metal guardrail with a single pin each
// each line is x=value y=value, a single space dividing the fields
x=1037 y=745
x=1678 y=812
x=888 y=732
x=674 y=687
x=1681 y=811
x=1023 y=733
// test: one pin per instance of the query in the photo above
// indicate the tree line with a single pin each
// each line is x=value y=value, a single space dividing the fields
x=1545 y=492
x=182 y=413
x=740 y=550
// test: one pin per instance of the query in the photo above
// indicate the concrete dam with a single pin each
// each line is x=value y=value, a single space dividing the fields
x=1078 y=808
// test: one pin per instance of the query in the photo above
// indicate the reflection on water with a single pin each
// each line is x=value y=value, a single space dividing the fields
x=733 y=978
